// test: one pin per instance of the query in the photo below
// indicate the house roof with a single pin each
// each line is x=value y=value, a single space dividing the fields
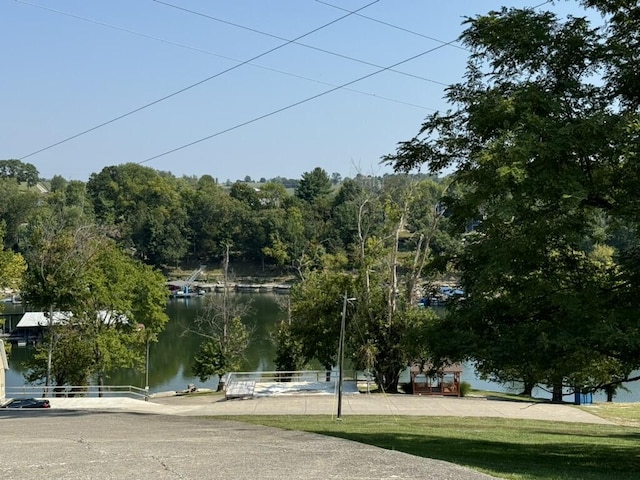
x=427 y=366
x=39 y=319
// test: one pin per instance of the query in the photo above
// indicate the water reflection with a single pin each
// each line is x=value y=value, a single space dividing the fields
x=171 y=358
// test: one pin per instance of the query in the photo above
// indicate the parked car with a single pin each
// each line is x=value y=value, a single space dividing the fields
x=27 y=403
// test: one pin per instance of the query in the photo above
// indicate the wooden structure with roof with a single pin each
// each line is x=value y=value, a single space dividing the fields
x=425 y=380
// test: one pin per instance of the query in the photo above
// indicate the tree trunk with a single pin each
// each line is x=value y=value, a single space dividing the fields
x=557 y=393
x=388 y=379
x=221 y=383
x=100 y=384
x=610 y=390
x=528 y=389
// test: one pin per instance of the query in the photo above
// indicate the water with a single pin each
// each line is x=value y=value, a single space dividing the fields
x=171 y=358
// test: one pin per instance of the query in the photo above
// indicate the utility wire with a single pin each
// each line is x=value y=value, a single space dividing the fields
x=308 y=99
x=217 y=55
x=295 y=104
x=395 y=26
x=306 y=45
x=182 y=90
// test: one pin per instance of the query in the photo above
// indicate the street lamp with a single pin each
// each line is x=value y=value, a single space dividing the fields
x=341 y=352
x=146 y=372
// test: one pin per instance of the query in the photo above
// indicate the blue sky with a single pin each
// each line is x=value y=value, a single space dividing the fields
x=71 y=65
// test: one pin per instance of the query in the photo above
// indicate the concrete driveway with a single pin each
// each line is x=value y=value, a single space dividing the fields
x=93 y=444
x=168 y=438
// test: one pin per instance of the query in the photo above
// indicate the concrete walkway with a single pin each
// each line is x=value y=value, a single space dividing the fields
x=80 y=445
x=358 y=404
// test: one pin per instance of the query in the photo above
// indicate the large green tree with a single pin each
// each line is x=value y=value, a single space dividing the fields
x=314 y=185
x=543 y=138
x=123 y=309
x=16 y=204
x=147 y=209
x=115 y=304
x=316 y=306
x=384 y=327
x=20 y=171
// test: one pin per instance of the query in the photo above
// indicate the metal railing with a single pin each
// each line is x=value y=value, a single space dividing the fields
x=41 y=391
x=293 y=376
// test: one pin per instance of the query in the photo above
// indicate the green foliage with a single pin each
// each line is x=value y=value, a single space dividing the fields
x=465 y=389
x=226 y=336
x=72 y=360
x=15 y=207
x=147 y=209
x=20 y=171
x=58 y=184
x=12 y=267
x=547 y=160
x=316 y=310
x=313 y=185
x=245 y=194
x=116 y=302
x=210 y=361
x=289 y=357
x=385 y=330
x=223 y=351
x=58 y=249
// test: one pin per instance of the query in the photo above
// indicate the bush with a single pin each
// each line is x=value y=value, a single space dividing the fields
x=465 y=388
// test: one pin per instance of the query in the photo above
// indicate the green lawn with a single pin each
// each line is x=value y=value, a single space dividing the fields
x=506 y=448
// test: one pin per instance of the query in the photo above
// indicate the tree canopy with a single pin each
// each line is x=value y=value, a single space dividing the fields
x=115 y=303
x=543 y=139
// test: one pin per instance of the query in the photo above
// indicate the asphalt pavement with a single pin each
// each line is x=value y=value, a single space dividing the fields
x=170 y=438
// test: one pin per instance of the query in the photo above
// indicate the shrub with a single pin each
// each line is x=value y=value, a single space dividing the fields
x=465 y=388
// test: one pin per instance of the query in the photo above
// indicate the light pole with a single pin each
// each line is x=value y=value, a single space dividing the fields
x=341 y=352
x=146 y=373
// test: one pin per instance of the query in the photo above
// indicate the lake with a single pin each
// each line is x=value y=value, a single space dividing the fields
x=171 y=358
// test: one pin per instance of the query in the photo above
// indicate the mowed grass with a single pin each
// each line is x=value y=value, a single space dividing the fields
x=621 y=413
x=505 y=448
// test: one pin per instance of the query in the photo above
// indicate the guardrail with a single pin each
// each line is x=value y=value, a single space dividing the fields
x=40 y=391
x=295 y=376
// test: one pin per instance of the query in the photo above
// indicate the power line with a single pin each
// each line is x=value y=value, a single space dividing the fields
x=395 y=26
x=303 y=101
x=182 y=90
x=295 y=104
x=213 y=54
x=306 y=45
